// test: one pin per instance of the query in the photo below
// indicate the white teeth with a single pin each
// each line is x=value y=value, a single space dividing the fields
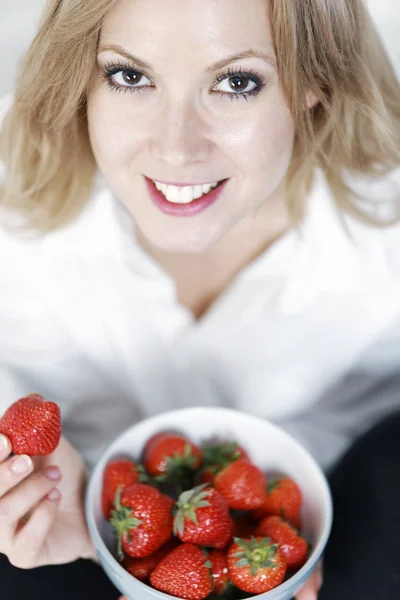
x=184 y=195
x=198 y=191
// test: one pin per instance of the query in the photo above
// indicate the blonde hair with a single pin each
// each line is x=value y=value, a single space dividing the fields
x=328 y=46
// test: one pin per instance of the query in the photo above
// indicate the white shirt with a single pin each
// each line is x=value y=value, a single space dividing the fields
x=302 y=336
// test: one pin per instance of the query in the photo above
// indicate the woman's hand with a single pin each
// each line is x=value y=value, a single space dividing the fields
x=310 y=590
x=42 y=520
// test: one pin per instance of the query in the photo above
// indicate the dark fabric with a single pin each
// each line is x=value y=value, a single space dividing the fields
x=362 y=559
x=81 y=580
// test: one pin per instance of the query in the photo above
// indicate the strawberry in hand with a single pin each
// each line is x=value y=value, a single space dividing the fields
x=33 y=426
x=142 y=520
x=185 y=572
x=202 y=517
x=256 y=565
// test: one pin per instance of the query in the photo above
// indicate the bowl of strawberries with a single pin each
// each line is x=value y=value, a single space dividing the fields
x=205 y=503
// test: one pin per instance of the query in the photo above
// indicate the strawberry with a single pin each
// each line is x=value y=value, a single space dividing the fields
x=171 y=457
x=142 y=567
x=221 y=455
x=207 y=475
x=118 y=473
x=185 y=572
x=284 y=499
x=202 y=517
x=255 y=564
x=142 y=520
x=294 y=547
x=33 y=426
x=215 y=458
x=220 y=573
x=242 y=484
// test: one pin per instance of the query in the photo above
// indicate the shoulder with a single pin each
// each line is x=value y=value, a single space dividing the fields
x=381 y=199
x=354 y=245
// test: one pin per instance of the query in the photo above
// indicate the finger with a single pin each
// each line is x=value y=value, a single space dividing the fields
x=15 y=504
x=5 y=447
x=307 y=594
x=13 y=471
x=310 y=590
x=320 y=574
x=30 y=540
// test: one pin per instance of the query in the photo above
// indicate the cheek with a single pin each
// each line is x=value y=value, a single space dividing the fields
x=263 y=139
x=112 y=141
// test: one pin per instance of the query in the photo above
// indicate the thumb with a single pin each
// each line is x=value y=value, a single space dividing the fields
x=310 y=590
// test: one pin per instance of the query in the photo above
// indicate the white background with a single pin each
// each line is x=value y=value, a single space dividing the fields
x=18 y=21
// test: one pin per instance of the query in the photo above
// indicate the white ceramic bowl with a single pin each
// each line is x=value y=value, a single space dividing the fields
x=271 y=448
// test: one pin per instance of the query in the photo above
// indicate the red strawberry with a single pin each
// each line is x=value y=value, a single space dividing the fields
x=142 y=567
x=171 y=457
x=207 y=475
x=294 y=547
x=284 y=499
x=185 y=572
x=202 y=517
x=220 y=573
x=142 y=520
x=255 y=565
x=33 y=426
x=215 y=458
x=242 y=484
x=118 y=473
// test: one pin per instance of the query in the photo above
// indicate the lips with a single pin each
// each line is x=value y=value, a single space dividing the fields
x=184 y=209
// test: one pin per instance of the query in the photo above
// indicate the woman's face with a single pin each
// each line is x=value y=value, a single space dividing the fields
x=187 y=94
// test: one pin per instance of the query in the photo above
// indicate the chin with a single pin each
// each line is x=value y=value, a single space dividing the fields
x=184 y=242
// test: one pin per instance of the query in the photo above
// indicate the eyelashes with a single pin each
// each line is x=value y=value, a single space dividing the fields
x=237 y=77
x=241 y=75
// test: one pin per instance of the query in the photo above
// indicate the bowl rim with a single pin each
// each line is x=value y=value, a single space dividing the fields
x=293 y=581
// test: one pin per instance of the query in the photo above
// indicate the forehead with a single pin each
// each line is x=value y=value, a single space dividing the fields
x=207 y=30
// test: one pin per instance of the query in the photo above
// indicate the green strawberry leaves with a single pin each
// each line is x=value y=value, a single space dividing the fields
x=187 y=505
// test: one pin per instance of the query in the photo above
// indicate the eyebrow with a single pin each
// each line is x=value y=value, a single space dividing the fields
x=215 y=67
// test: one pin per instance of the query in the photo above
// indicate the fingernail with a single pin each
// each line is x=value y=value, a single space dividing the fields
x=21 y=464
x=53 y=495
x=52 y=473
x=4 y=445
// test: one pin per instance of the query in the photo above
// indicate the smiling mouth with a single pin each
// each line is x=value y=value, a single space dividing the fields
x=185 y=194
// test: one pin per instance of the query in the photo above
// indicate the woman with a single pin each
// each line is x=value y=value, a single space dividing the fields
x=184 y=223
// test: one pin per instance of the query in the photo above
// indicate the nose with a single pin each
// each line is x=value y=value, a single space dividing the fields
x=178 y=136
